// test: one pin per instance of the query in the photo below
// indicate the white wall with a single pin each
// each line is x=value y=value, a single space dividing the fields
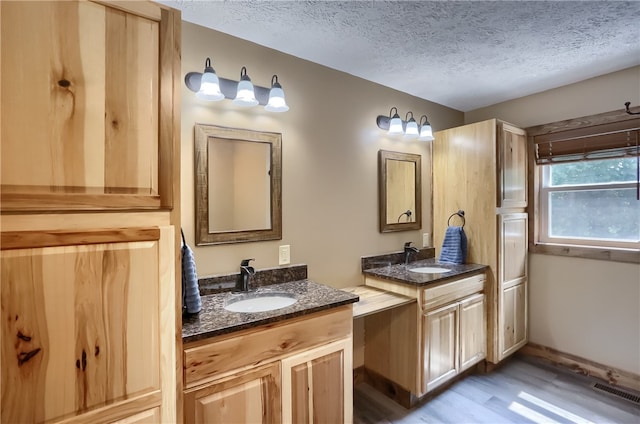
x=585 y=307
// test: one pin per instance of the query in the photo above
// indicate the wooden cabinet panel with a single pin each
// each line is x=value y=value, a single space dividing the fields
x=87 y=120
x=82 y=325
x=512 y=167
x=317 y=385
x=513 y=248
x=513 y=319
x=473 y=331
x=440 y=340
x=248 y=397
x=151 y=416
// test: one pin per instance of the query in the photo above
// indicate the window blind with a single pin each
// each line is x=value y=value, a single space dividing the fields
x=611 y=140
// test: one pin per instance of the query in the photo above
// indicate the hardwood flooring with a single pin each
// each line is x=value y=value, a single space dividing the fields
x=523 y=390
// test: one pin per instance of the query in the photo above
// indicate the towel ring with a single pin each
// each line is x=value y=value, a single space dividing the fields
x=460 y=213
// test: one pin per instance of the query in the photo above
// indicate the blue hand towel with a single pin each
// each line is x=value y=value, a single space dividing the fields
x=191 y=302
x=454 y=246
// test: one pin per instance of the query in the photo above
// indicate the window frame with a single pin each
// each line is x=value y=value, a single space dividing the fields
x=568 y=247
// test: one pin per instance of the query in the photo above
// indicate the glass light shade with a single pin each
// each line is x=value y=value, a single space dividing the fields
x=395 y=125
x=426 y=133
x=412 y=129
x=210 y=87
x=245 y=95
x=276 y=99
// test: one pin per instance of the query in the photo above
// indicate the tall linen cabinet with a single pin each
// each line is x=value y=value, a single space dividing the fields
x=90 y=124
x=481 y=169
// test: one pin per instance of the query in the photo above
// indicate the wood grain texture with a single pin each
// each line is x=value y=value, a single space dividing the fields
x=34 y=239
x=317 y=385
x=121 y=410
x=579 y=365
x=145 y=417
x=521 y=384
x=105 y=90
x=512 y=166
x=252 y=396
x=392 y=345
x=214 y=357
x=203 y=133
x=448 y=292
x=486 y=164
x=512 y=240
x=441 y=346
x=383 y=212
x=75 y=327
x=514 y=319
x=473 y=331
x=373 y=300
x=167 y=311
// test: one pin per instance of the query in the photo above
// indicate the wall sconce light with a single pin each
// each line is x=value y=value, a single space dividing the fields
x=208 y=86
x=409 y=127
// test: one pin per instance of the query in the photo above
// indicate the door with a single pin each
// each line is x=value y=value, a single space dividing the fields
x=512 y=279
x=247 y=397
x=512 y=167
x=317 y=385
x=440 y=338
x=473 y=330
x=83 y=320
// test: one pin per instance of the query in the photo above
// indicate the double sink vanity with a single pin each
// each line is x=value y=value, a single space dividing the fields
x=282 y=352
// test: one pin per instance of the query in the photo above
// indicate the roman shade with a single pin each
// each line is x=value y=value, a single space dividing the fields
x=609 y=140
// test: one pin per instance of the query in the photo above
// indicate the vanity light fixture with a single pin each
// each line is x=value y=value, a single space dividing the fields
x=395 y=123
x=208 y=86
x=411 y=130
x=245 y=96
x=409 y=127
x=426 y=133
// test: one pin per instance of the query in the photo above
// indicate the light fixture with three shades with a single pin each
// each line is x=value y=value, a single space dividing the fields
x=407 y=127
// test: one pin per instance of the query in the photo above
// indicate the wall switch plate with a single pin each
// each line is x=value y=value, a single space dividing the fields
x=426 y=240
x=284 y=255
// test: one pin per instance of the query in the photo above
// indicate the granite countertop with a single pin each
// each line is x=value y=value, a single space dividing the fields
x=401 y=273
x=214 y=320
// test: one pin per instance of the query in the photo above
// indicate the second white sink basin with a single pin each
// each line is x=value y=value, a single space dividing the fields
x=429 y=270
x=259 y=302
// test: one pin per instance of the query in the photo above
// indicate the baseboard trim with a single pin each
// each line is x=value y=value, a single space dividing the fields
x=613 y=376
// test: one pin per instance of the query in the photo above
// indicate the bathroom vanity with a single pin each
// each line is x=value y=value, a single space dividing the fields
x=292 y=364
x=416 y=347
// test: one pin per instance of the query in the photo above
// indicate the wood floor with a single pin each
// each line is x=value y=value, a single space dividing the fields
x=523 y=390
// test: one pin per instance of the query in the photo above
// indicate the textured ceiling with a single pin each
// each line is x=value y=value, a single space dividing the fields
x=461 y=54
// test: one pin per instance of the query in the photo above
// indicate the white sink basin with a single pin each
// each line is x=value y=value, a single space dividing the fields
x=259 y=302
x=429 y=270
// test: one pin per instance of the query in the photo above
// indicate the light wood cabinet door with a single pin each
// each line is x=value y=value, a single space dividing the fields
x=440 y=345
x=152 y=416
x=512 y=240
x=473 y=331
x=247 y=397
x=512 y=166
x=514 y=319
x=88 y=112
x=82 y=331
x=317 y=385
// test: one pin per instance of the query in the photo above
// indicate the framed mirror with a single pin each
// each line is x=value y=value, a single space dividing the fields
x=238 y=185
x=399 y=191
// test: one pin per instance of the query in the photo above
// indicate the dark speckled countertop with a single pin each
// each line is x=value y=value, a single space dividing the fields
x=214 y=320
x=400 y=272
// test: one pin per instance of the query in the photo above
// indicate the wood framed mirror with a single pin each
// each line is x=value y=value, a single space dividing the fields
x=399 y=191
x=238 y=185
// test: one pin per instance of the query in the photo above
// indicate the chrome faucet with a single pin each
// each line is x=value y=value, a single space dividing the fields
x=246 y=271
x=407 y=251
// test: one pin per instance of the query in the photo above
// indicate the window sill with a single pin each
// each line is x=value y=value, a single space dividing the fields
x=597 y=253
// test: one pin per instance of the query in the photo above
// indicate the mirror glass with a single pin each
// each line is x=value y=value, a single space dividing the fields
x=238 y=180
x=400 y=199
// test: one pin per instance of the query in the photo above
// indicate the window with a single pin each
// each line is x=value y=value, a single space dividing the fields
x=586 y=194
x=591 y=203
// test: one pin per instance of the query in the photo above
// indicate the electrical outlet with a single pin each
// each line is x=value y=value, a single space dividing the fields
x=284 y=256
x=426 y=240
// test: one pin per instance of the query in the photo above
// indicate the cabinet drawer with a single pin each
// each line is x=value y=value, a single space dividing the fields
x=214 y=357
x=452 y=291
